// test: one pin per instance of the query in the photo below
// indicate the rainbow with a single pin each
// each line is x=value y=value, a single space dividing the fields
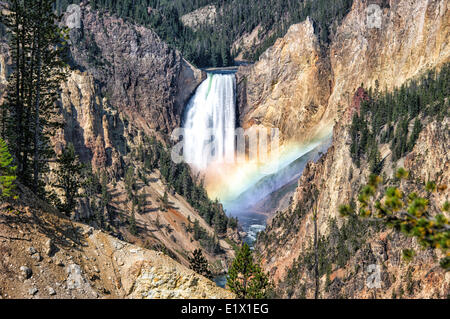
x=226 y=182
x=211 y=111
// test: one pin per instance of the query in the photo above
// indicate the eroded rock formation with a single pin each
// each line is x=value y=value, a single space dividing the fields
x=289 y=87
x=302 y=88
x=84 y=263
x=412 y=39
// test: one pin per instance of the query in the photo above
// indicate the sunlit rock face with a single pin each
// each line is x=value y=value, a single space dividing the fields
x=289 y=87
x=301 y=88
x=411 y=39
x=203 y=16
x=91 y=124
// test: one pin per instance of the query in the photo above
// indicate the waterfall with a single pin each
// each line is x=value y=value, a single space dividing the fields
x=209 y=122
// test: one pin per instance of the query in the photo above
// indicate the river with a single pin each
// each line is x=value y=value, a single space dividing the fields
x=252 y=224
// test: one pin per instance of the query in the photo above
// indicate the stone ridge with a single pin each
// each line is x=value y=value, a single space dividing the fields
x=45 y=255
x=135 y=70
x=303 y=89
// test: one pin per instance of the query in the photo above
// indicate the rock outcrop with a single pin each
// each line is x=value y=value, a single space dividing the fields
x=412 y=38
x=289 y=87
x=136 y=71
x=302 y=88
x=85 y=263
x=203 y=16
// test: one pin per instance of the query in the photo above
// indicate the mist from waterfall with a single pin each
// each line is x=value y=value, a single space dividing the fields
x=210 y=121
x=211 y=147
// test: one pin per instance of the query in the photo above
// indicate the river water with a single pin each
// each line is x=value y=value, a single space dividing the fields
x=252 y=224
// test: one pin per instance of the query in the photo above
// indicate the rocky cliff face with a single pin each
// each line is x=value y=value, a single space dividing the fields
x=334 y=180
x=408 y=39
x=301 y=88
x=45 y=255
x=289 y=87
x=117 y=67
x=411 y=39
x=135 y=70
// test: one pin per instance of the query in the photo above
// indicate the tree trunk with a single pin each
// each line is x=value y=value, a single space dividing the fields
x=22 y=134
x=29 y=115
x=18 y=106
x=316 y=258
x=37 y=105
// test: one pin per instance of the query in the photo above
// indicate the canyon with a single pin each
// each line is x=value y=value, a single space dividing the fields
x=126 y=86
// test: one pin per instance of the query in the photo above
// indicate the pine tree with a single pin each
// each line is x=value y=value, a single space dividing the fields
x=130 y=182
x=376 y=163
x=197 y=230
x=158 y=224
x=199 y=264
x=132 y=227
x=316 y=257
x=245 y=277
x=30 y=112
x=68 y=178
x=415 y=134
x=165 y=201
x=98 y=214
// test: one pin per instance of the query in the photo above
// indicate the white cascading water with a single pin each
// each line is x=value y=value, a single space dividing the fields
x=210 y=121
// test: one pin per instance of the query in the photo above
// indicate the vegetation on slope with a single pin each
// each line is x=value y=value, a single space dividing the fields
x=30 y=117
x=411 y=214
x=211 y=45
x=179 y=179
x=386 y=118
x=333 y=250
x=405 y=204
